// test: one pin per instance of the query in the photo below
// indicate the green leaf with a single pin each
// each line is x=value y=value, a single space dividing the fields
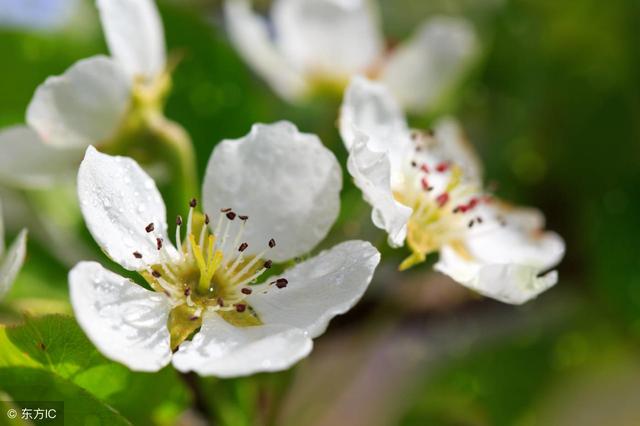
x=80 y=407
x=55 y=349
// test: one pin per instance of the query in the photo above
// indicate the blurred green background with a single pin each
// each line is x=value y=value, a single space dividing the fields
x=553 y=107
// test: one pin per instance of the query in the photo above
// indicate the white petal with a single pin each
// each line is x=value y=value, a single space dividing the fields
x=508 y=283
x=505 y=262
x=11 y=262
x=328 y=38
x=135 y=35
x=421 y=70
x=516 y=242
x=250 y=35
x=118 y=200
x=83 y=106
x=126 y=322
x=223 y=350
x=371 y=172
x=370 y=108
x=318 y=289
x=286 y=181
x=452 y=145
x=27 y=162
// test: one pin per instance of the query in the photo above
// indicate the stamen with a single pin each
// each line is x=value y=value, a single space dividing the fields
x=159 y=243
x=246 y=291
x=231 y=215
x=268 y=264
x=281 y=282
x=156 y=274
x=442 y=167
x=272 y=243
x=442 y=199
x=242 y=217
x=137 y=255
x=243 y=247
x=150 y=227
x=241 y=307
x=178 y=234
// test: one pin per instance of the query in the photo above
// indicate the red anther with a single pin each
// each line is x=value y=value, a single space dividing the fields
x=150 y=227
x=240 y=307
x=231 y=215
x=442 y=199
x=474 y=202
x=424 y=168
x=425 y=184
x=442 y=167
x=193 y=203
x=281 y=282
x=246 y=291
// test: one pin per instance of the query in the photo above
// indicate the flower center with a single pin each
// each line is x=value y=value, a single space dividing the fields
x=444 y=204
x=208 y=271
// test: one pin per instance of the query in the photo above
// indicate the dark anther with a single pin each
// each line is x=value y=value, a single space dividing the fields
x=240 y=307
x=243 y=247
x=156 y=274
x=159 y=243
x=150 y=227
x=187 y=291
x=228 y=209
x=231 y=215
x=272 y=243
x=414 y=164
x=430 y=132
x=281 y=282
x=246 y=291
x=193 y=318
x=206 y=219
x=471 y=222
x=479 y=219
x=220 y=301
x=167 y=293
x=268 y=264
x=242 y=217
x=137 y=255
x=193 y=203
x=179 y=220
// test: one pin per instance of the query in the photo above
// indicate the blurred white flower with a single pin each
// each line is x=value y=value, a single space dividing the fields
x=87 y=104
x=272 y=196
x=11 y=258
x=426 y=188
x=305 y=44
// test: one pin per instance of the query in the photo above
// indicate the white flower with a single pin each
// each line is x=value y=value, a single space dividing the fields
x=11 y=259
x=88 y=103
x=272 y=196
x=324 y=42
x=427 y=189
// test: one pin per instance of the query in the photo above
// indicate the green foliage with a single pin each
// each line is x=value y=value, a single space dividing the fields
x=49 y=358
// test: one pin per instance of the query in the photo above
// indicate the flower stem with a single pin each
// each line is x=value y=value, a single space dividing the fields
x=178 y=150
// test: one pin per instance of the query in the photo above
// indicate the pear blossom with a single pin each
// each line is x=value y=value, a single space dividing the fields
x=268 y=197
x=88 y=103
x=11 y=258
x=426 y=191
x=306 y=44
